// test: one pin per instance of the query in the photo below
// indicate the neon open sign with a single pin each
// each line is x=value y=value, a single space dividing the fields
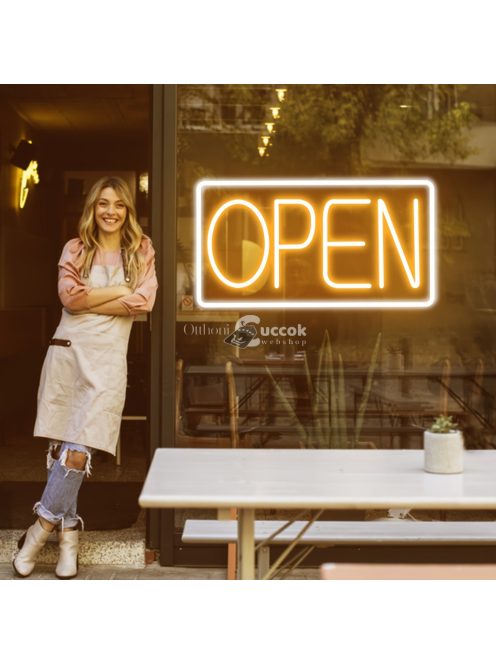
x=315 y=244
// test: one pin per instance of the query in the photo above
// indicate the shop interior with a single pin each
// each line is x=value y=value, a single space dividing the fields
x=74 y=134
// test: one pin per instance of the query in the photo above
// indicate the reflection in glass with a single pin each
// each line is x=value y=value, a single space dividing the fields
x=437 y=360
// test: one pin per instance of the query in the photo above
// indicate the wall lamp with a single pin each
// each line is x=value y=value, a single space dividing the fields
x=23 y=157
x=23 y=154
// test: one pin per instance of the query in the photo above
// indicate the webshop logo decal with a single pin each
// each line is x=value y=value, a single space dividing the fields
x=248 y=333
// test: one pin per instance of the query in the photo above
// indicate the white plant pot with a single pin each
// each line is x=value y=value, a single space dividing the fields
x=443 y=452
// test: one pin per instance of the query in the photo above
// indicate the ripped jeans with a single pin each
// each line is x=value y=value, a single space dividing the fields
x=58 y=503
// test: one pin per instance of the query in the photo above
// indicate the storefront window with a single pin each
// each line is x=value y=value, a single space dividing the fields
x=359 y=376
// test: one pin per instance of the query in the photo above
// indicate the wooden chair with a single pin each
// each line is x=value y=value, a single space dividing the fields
x=475 y=392
x=184 y=439
x=233 y=404
x=445 y=381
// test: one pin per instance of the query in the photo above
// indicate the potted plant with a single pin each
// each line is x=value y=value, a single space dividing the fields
x=443 y=447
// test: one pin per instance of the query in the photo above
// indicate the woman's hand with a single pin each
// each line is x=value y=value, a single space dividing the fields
x=125 y=291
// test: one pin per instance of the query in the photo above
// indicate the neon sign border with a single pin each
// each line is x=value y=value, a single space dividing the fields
x=428 y=184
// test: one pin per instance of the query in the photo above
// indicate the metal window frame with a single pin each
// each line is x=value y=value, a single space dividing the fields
x=160 y=523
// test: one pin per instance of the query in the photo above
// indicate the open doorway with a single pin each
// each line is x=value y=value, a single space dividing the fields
x=77 y=133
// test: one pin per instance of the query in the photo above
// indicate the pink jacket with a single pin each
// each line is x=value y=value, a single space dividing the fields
x=73 y=292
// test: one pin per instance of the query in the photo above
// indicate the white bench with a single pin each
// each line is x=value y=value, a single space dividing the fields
x=339 y=533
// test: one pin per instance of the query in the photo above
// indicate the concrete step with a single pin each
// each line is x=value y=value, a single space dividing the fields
x=124 y=548
x=153 y=572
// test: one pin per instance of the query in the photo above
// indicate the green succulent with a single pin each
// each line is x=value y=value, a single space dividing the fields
x=443 y=424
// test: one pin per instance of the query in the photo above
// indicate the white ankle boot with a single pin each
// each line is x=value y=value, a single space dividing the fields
x=30 y=544
x=67 y=565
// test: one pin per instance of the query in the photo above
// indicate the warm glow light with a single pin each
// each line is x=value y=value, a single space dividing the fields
x=275 y=111
x=210 y=251
x=270 y=126
x=28 y=177
x=324 y=195
x=261 y=150
x=251 y=255
x=346 y=243
x=281 y=94
x=265 y=140
x=298 y=245
x=143 y=183
x=383 y=213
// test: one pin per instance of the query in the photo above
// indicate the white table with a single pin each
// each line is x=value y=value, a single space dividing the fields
x=311 y=479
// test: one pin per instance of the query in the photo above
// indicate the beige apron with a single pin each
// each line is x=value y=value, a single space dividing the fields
x=83 y=385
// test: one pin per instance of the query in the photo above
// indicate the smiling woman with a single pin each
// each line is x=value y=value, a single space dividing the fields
x=110 y=215
x=106 y=277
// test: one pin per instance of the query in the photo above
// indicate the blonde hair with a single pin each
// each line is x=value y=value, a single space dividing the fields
x=131 y=231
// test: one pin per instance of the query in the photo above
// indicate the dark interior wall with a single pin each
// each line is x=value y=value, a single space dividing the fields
x=66 y=152
x=26 y=255
x=25 y=245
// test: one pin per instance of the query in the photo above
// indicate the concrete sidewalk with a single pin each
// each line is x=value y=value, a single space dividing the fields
x=150 y=572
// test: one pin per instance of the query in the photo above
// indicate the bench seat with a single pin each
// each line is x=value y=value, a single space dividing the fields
x=325 y=533
x=389 y=531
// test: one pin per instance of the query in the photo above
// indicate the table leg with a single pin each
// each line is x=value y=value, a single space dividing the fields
x=118 y=451
x=223 y=514
x=246 y=544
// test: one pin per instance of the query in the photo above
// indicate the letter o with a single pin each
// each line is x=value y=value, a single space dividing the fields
x=292 y=331
x=265 y=230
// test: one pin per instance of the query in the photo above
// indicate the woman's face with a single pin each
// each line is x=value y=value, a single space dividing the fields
x=110 y=212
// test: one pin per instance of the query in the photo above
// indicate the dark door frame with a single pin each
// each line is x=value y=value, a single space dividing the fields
x=160 y=524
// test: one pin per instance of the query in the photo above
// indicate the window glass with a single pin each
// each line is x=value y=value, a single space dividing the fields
x=345 y=377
